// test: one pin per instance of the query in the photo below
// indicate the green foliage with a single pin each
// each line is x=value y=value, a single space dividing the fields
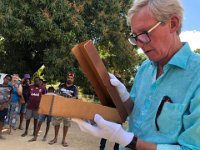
x=107 y=27
x=197 y=50
x=42 y=32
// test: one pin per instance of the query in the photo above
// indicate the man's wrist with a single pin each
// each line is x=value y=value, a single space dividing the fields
x=132 y=144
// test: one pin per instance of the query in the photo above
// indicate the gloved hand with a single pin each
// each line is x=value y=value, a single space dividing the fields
x=123 y=93
x=105 y=129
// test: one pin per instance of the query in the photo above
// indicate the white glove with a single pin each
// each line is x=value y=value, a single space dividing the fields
x=123 y=93
x=105 y=129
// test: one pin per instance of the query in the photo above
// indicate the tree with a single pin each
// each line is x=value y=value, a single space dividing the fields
x=41 y=32
x=197 y=50
x=106 y=25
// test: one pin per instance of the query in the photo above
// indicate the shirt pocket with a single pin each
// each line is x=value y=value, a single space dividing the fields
x=170 y=119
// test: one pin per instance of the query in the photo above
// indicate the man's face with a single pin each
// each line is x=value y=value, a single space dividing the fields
x=37 y=81
x=160 y=38
x=7 y=79
x=25 y=81
x=70 y=79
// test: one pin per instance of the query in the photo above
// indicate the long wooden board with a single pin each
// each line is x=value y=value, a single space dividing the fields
x=56 y=105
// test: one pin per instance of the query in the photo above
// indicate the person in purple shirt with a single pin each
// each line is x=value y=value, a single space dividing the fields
x=42 y=118
x=35 y=93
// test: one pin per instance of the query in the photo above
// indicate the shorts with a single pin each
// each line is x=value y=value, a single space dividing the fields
x=31 y=114
x=43 y=117
x=58 y=120
x=23 y=108
x=3 y=114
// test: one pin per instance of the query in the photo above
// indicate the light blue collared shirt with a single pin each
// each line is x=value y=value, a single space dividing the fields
x=179 y=122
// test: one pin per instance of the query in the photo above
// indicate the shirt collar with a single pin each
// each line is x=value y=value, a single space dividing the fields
x=181 y=57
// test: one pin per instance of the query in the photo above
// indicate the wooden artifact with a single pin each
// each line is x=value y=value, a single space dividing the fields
x=112 y=107
x=96 y=72
x=56 y=105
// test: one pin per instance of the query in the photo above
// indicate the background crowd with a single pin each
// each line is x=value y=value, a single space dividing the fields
x=20 y=98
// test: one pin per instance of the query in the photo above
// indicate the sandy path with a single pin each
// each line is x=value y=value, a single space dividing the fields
x=76 y=139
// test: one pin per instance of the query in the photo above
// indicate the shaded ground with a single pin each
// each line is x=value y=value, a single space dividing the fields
x=76 y=139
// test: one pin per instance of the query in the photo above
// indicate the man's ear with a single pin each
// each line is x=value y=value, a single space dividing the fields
x=174 y=24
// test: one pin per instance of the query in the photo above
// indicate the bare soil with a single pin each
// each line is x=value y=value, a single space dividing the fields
x=76 y=140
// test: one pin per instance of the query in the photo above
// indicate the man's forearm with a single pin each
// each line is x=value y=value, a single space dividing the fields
x=142 y=145
x=129 y=106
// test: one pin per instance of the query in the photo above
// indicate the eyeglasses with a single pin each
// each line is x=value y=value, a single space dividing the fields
x=142 y=37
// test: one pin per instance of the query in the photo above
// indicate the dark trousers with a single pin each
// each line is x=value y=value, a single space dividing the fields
x=103 y=144
x=3 y=114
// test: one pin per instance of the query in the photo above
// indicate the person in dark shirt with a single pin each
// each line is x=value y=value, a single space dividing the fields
x=67 y=89
x=25 y=86
x=5 y=94
x=34 y=93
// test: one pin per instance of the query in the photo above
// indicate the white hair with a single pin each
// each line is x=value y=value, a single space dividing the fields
x=161 y=10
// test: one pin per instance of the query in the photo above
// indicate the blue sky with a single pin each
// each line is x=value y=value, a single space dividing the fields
x=191 y=23
x=191 y=15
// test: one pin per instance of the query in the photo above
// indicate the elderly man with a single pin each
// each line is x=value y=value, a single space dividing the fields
x=164 y=103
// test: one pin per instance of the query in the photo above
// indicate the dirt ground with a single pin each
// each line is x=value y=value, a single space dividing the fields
x=76 y=139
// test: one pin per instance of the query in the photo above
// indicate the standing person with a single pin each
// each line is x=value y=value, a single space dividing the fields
x=43 y=83
x=25 y=86
x=13 y=110
x=34 y=93
x=67 y=89
x=164 y=102
x=5 y=94
x=42 y=118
